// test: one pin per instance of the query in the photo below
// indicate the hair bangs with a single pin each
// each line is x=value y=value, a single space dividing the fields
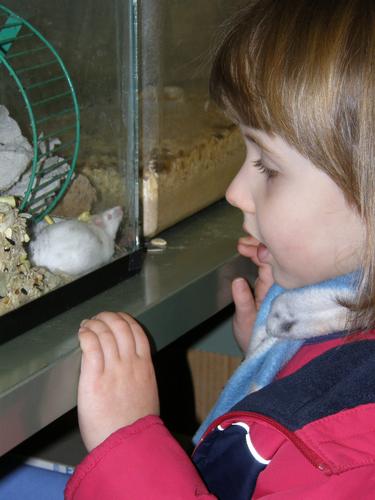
x=282 y=67
x=305 y=70
x=234 y=85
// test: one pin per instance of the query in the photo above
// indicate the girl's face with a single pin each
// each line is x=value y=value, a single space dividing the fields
x=306 y=229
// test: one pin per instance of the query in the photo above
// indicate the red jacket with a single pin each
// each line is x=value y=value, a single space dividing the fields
x=308 y=440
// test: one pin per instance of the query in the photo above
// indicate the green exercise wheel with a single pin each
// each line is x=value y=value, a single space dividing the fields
x=52 y=111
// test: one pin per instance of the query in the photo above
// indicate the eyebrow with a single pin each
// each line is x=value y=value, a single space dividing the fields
x=257 y=142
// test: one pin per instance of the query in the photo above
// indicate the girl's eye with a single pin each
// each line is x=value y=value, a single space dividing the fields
x=264 y=170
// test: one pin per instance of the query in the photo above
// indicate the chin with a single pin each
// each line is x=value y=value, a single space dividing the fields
x=286 y=281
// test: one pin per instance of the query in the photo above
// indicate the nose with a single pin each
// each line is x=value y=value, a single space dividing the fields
x=239 y=193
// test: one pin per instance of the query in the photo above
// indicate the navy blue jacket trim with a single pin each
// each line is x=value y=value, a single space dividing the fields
x=341 y=378
x=325 y=338
x=228 y=468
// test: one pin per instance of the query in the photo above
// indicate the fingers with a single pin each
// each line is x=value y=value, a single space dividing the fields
x=245 y=312
x=129 y=334
x=242 y=295
x=263 y=283
x=244 y=302
x=92 y=360
x=141 y=341
x=119 y=335
x=105 y=337
x=248 y=240
x=247 y=246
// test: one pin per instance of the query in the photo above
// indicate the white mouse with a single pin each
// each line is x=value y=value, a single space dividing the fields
x=75 y=247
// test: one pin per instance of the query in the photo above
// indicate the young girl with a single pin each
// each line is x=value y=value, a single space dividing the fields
x=296 y=420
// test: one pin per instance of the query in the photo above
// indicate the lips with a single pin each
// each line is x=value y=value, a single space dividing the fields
x=262 y=252
x=249 y=231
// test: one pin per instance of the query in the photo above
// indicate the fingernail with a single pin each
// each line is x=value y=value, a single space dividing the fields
x=240 y=284
x=83 y=322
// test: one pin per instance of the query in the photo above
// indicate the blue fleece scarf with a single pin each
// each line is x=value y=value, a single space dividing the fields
x=285 y=320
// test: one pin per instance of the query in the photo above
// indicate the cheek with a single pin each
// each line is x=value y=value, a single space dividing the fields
x=290 y=233
x=276 y=220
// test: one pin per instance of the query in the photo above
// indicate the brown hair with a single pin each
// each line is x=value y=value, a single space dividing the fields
x=305 y=70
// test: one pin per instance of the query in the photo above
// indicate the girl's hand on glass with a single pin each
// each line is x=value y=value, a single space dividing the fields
x=117 y=385
x=246 y=302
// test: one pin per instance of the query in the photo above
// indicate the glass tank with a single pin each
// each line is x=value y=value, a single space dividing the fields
x=189 y=152
x=107 y=135
x=69 y=174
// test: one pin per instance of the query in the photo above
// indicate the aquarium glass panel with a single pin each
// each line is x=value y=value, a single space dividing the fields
x=189 y=150
x=96 y=43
